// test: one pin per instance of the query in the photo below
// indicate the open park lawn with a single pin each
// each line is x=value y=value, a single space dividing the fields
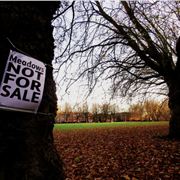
x=122 y=152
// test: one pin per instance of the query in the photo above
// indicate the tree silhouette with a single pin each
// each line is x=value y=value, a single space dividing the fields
x=131 y=43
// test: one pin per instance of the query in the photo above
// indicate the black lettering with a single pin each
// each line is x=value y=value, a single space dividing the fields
x=29 y=64
x=27 y=72
x=35 y=85
x=22 y=82
x=25 y=95
x=11 y=66
x=33 y=66
x=38 y=68
x=14 y=59
x=35 y=97
x=16 y=93
x=5 y=89
x=19 y=61
x=24 y=63
x=38 y=75
x=8 y=77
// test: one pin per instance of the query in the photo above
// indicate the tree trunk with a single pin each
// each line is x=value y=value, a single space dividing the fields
x=174 y=105
x=172 y=79
x=26 y=140
x=174 y=97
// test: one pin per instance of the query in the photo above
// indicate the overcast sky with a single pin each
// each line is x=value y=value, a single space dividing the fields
x=77 y=93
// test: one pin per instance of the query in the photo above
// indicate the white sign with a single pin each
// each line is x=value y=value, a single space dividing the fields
x=23 y=83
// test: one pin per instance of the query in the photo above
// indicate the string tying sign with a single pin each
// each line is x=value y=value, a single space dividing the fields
x=23 y=82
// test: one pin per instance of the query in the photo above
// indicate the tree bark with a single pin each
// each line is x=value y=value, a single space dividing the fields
x=174 y=98
x=26 y=140
x=174 y=105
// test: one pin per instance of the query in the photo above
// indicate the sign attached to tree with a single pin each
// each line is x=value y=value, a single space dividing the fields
x=23 y=83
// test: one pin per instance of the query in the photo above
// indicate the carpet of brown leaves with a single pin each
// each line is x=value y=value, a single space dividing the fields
x=119 y=153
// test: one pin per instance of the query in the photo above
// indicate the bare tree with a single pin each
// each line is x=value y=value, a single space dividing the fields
x=95 y=112
x=67 y=112
x=152 y=110
x=105 y=109
x=132 y=43
x=137 y=111
x=113 y=109
x=85 y=111
x=164 y=111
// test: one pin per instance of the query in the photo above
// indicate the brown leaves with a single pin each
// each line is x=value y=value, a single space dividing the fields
x=118 y=153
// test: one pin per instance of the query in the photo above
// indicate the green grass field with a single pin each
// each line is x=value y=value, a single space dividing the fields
x=75 y=126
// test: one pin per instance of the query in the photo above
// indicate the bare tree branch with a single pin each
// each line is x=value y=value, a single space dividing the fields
x=126 y=42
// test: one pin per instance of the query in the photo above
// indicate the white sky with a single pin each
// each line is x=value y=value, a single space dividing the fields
x=77 y=94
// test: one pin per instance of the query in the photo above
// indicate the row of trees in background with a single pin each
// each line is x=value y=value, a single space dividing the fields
x=149 y=110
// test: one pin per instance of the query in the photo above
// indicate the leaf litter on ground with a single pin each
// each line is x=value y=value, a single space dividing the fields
x=133 y=153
